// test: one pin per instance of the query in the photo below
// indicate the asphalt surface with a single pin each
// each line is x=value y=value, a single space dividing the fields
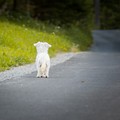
x=85 y=87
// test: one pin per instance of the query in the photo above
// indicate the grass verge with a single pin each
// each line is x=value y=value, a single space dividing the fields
x=17 y=36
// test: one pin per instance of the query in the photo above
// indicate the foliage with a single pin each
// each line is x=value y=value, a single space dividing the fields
x=65 y=24
x=64 y=11
x=55 y=11
x=110 y=14
x=17 y=36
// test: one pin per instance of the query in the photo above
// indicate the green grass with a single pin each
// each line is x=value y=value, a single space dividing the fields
x=17 y=36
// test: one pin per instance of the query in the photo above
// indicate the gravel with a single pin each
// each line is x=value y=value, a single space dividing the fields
x=27 y=69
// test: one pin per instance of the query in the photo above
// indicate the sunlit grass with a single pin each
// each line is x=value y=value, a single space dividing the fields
x=17 y=37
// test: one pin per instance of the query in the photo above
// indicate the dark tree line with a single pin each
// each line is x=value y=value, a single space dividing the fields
x=66 y=11
x=110 y=14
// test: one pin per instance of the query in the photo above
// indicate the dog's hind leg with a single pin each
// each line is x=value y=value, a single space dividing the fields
x=47 y=70
x=38 y=72
x=43 y=70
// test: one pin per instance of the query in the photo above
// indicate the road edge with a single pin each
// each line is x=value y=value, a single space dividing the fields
x=29 y=68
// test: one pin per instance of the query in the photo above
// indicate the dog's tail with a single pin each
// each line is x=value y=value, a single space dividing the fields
x=43 y=68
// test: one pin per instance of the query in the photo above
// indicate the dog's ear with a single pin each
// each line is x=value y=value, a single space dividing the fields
x=35 y=44
x=47 y=45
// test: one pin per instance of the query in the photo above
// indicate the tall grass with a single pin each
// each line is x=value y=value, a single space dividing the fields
x=17 y=36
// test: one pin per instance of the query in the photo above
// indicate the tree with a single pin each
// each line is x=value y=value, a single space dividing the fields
x=3 y=6
x=97 y=12
x=14 y=8
x=110 y=14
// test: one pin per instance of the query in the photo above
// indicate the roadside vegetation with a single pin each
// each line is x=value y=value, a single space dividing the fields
x=17 y=36
x=65 y=24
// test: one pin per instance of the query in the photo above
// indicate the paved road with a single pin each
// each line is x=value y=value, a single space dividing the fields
x=85 y=87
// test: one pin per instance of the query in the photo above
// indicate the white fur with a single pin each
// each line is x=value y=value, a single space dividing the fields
x=42 y=59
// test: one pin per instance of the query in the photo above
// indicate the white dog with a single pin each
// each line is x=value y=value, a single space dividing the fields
x=42 y=59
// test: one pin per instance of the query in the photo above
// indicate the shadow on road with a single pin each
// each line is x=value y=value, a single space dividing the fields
x=106 y=41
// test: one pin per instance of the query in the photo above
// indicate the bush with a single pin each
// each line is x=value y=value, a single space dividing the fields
x=17 y=36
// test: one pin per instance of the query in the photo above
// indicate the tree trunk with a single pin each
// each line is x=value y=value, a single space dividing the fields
x=14 y=5
x=97 y=13
x=3 y=6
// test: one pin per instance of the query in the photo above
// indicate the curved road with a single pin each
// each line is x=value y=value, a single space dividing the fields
x=85 y=87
